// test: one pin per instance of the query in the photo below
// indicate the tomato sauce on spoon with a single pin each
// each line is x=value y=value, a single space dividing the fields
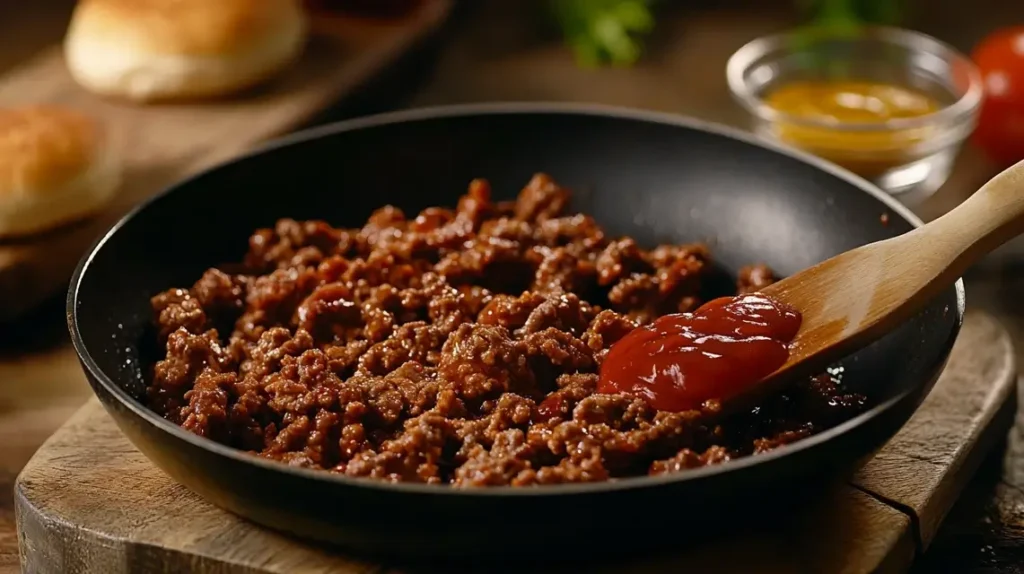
x=681 y=361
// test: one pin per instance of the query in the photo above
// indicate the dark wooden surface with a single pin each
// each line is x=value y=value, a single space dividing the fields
x=497 y=52
x=89 y=502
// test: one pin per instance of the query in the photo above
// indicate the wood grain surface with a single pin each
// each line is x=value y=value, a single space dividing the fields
x=89 y=502
x=924 y=467
x=160 y=144
x=498 y=51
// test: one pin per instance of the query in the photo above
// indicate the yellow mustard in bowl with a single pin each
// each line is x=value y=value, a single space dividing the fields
x=851 y=122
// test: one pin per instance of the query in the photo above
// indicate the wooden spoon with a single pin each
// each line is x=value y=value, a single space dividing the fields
x=855 y=298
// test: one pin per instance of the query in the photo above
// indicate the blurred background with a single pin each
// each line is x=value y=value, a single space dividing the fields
x=671 y=56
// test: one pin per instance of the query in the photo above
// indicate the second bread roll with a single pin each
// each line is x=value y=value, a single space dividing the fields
x=146 y=50
x=56 y=166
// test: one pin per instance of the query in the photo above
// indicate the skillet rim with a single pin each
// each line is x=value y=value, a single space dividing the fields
x=139 y=410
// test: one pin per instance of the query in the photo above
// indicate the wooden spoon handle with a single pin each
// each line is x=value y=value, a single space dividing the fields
x=990 y=217
x=854 y=298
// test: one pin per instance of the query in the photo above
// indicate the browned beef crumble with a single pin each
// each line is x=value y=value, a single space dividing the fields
x=454 y=347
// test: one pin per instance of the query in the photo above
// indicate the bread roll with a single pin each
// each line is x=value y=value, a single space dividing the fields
x=146 y=50
x=55 y=167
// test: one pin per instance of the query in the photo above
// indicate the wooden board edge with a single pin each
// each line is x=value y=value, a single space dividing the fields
x=50 y=538
x=997 y=416
x=35 y=530
x=950 y=490
x=44 y=548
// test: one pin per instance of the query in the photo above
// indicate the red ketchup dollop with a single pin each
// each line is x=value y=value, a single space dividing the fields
x=679 y=362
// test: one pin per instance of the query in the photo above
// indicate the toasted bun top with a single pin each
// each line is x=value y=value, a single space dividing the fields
x=42 y=147
x=186 y=27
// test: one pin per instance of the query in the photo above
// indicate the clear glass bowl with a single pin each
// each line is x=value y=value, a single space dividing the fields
x=904 y=156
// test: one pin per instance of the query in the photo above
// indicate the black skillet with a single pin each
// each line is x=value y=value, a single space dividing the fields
x=655 y=177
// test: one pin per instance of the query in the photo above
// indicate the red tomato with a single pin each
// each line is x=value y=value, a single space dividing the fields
x=1000 y=131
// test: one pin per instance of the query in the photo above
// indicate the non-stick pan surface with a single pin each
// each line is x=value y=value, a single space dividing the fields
x=657 y=178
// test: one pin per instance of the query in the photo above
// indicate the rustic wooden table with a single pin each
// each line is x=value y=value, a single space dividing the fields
x=496 y=51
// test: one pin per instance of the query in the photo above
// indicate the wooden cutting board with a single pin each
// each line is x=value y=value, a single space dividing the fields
x=161 y=144
x=88 y=502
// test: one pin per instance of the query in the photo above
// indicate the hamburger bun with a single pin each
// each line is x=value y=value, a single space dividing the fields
x=146 y=50
x=55 y=168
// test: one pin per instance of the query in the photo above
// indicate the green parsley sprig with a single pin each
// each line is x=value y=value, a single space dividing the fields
x=604 y=31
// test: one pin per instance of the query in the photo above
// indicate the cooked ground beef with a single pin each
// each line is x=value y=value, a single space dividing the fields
x=456 y=347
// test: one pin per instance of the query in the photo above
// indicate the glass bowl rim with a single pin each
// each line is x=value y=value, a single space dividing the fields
x=954 y=114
